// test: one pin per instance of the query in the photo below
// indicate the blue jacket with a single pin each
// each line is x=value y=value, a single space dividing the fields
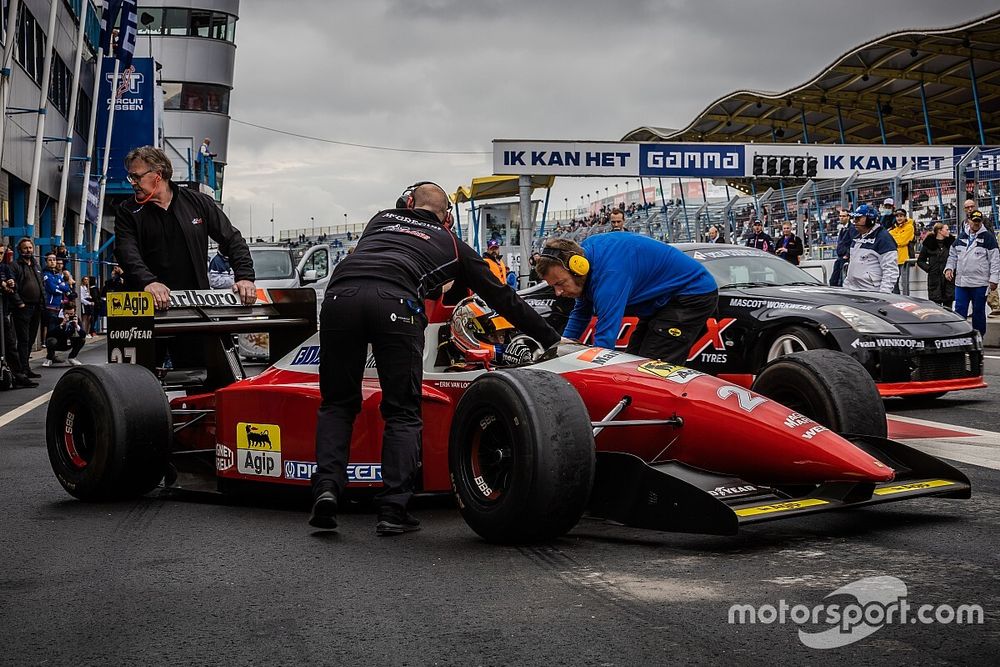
x=55 y=289
x=631 y=273
x=974 y=258
x=845 y=239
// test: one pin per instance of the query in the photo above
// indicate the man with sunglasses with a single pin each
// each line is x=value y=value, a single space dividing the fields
x=376 y=297
x=161 y=236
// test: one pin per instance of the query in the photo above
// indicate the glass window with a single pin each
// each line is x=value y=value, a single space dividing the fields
x=201 y=21
x=175 y=21
x=155 y=27
x=218 y=30
x=272 y=263
x=230 y=28
x=172 y=95
x=319 y=262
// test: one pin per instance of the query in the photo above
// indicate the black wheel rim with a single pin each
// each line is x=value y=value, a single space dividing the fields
x=78 y=438
x=488 y=463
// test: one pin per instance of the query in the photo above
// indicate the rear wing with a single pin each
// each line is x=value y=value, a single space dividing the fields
x=195 y=336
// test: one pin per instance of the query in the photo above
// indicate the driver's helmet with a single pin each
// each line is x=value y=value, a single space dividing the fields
x=477 y=327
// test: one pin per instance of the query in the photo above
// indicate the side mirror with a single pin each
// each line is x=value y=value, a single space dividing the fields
x=308 y=276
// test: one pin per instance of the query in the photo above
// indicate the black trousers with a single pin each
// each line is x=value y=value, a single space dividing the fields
x=10 y=341
x=668 y=333
x=55 y=343
x=353 y=316
x=26 y=322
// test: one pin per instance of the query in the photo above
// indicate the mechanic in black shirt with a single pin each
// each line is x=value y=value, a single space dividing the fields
x=29 y=302
x=376 y=296
x=161 y=236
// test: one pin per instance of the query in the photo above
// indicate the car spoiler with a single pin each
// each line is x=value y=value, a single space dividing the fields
x=196 y=333
x=675 y=497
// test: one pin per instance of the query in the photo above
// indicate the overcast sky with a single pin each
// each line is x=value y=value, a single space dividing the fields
x=452 y=75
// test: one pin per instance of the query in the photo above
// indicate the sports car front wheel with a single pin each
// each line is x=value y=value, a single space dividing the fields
x=521 y=455
x=108 y=431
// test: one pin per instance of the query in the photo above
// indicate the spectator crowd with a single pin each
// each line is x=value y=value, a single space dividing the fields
x=43 y=303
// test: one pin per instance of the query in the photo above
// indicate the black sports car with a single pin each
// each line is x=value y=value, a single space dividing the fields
x=768 y=308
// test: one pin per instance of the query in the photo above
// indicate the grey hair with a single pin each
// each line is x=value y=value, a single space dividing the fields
x=154 y=157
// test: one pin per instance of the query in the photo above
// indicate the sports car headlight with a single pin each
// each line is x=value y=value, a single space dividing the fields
x=861 y=321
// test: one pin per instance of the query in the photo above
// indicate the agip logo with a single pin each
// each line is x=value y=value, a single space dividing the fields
x=258 y=449
x=130 y=304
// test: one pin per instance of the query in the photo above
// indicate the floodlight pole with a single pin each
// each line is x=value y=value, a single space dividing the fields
x=799 y=223
x=845 y=187
x=969 y=156
x=727 y=212
x=527 y=224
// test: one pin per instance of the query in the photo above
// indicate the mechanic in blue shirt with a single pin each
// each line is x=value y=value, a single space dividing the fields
x=974 y=266
x=612 y=275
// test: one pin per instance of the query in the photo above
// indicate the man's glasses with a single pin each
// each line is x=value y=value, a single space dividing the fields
x=135 y=178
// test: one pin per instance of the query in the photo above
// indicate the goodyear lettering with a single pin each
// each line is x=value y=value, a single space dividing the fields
x=727 y=491
x=129 y=335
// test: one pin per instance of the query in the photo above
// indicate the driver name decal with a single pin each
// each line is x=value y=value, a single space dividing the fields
x=258 y=449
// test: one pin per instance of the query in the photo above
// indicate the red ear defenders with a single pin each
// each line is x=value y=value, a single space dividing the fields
x=405 y=200
x=576 y=264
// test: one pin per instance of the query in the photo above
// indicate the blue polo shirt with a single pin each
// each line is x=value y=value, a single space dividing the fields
x=631 y=274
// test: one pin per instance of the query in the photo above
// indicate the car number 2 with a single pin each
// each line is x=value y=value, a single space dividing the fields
x=743 y=396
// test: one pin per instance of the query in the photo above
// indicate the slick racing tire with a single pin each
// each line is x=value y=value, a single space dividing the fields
x=522 y=456
x=108 y=432
x=828 y=386
x=791 y=340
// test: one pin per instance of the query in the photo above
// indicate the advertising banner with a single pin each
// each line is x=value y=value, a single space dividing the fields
x=698 y=160
x=134 y=123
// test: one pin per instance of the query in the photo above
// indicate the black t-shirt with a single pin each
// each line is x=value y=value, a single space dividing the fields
x=166 y=252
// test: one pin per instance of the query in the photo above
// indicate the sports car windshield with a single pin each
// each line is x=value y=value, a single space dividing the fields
x=753 y=270
x=272 y=263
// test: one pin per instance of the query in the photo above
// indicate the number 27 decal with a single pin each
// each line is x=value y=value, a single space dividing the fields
x=743 y=396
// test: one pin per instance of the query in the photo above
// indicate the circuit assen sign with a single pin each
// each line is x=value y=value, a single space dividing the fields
x=573 y=158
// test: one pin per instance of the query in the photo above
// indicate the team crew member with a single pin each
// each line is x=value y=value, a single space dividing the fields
x=612 y=275
x=758 y=239
x=495 y=261
x=376 y=297
x=161 y=236
x=974 y=265
x=873 y=254
x=29 y=302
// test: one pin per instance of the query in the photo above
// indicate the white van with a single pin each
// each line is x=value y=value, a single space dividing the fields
x=275 y=266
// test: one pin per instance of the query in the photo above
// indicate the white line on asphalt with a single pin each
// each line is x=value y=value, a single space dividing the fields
x=989 y=356
x=8 y=417
x=981 y=448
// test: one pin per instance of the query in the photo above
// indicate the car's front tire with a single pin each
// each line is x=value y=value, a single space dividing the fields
x=830 y=387
x=108 y=431
x=522 y=456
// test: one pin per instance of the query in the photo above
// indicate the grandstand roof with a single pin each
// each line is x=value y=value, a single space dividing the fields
x=497 y=187
x=882 y=77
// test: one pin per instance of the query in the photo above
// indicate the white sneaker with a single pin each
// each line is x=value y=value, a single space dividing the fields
x=75 y=362
x=47 y=363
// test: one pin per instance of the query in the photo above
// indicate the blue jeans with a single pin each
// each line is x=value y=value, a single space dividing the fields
x=977 y=295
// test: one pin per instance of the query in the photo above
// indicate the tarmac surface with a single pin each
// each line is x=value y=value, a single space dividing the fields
x=179 y=579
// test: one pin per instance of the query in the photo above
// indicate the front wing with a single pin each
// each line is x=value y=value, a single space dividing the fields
x=672 y=496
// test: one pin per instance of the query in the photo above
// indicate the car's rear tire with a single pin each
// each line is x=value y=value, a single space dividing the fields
x=791 y=340
x=522 y=456
x=828 y=386
x=108 y=431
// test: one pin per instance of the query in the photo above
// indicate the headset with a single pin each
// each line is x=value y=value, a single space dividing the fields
x=573 y=262
x=405 y=200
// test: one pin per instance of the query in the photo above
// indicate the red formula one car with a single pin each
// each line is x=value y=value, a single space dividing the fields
x=525 y=450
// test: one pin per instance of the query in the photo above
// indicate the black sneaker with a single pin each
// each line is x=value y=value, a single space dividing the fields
x=393 y=520
x=23 y=381
x=324 y=512
x=32 y=374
